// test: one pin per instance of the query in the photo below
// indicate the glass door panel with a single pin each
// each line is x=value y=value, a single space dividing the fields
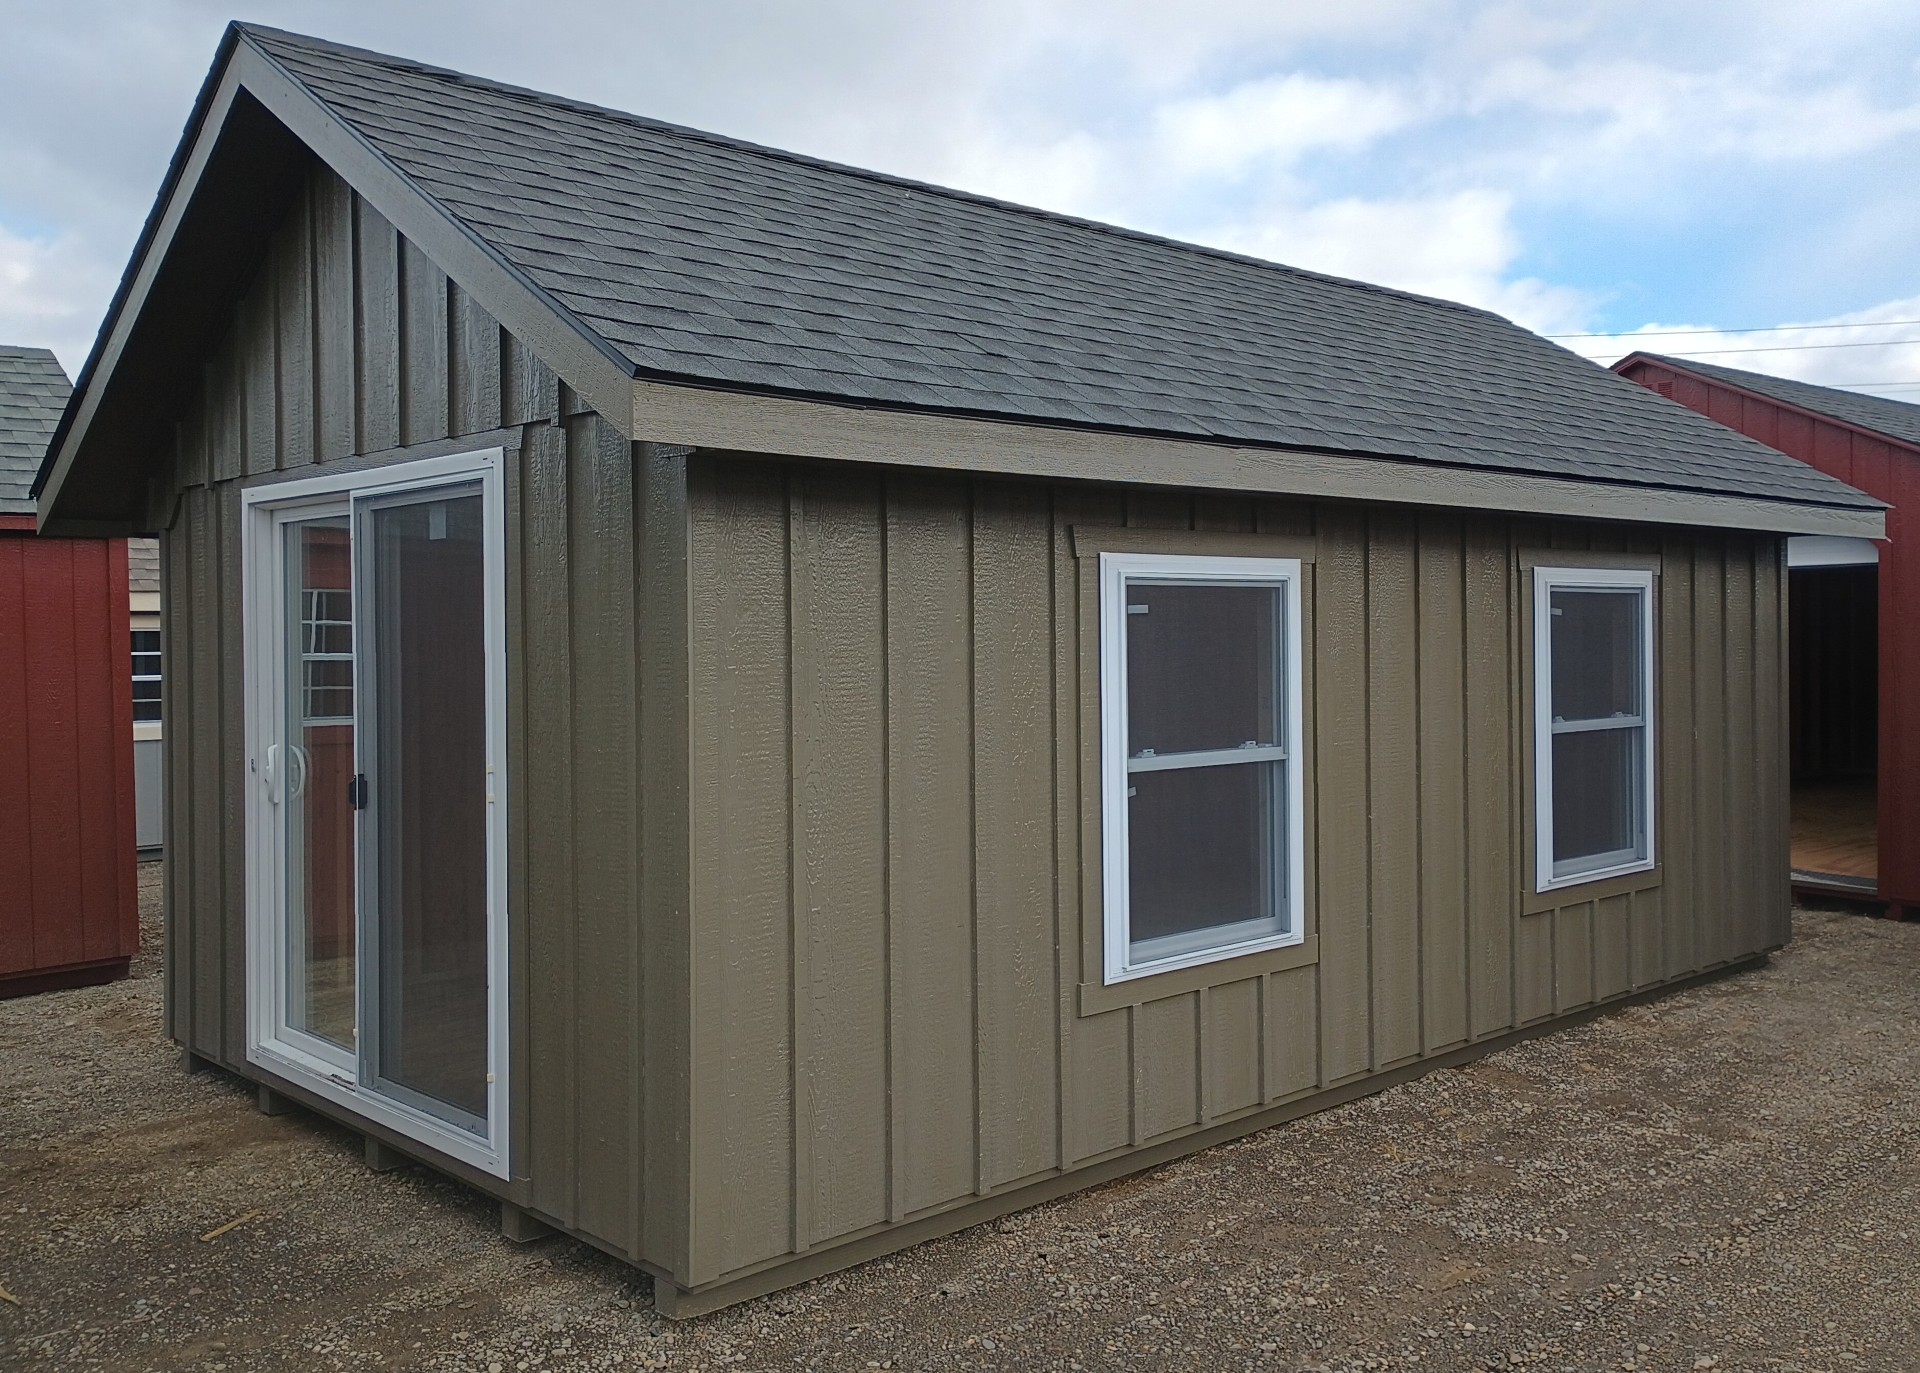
x=423 y=712
x=314 y=776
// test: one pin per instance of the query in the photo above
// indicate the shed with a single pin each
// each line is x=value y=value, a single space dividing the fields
x=1855 y=634
x=143 y=621
x=856 y=707
x=68 y=914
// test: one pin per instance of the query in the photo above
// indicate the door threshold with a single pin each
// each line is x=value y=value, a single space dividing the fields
x=1835 y=884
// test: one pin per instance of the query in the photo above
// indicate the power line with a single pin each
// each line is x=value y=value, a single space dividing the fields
x=1755 y=329
x=1796 y=347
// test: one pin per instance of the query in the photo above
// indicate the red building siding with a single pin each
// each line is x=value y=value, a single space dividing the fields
x=1884 y=468
x=68 y=913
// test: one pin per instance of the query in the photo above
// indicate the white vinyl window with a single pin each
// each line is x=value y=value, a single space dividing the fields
x=146 y=676
x=1593 y=723
x=326 y=656
x=1200 y=718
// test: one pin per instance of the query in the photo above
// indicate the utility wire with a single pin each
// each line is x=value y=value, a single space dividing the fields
x=1756 y=329
x=1796 y=347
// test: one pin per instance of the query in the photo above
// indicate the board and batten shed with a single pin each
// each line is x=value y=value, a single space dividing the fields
x=68 y=912
x=1854 y=729
x=855 y=707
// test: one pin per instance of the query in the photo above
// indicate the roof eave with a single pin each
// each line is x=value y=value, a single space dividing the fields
x=789 y=426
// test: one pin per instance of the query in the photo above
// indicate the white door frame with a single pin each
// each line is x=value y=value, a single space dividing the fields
x=336 y=1077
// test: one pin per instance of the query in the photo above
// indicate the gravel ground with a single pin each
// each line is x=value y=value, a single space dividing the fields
x=1727 y=1178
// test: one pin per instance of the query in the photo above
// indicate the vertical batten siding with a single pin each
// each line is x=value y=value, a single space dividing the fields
x=929 y=844
x=925 y=857
x=349 y=342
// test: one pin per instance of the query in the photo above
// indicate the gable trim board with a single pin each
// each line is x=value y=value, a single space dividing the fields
x=804 y=840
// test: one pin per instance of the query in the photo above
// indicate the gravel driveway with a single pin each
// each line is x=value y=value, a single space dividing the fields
x=1727 y=1178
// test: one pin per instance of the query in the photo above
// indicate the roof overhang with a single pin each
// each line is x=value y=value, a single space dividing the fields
x=253 y=134
x=744 y=422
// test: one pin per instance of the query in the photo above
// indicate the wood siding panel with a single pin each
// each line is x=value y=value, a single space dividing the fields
x=1013 y=830
x=1097 y=1050
x=930 y=842
x=1441 y=728
x=1494 y=867
x=839 y=731
x=744 y=1150
x=1393 y=786
x=604 y=748
x=1341 y=841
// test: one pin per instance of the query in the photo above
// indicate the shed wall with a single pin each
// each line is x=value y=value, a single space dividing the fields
x=1890 y=471
x=68 y=911
x=351 y=347
x=895 y=846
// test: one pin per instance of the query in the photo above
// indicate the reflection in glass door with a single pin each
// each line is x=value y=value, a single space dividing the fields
x=425 y=827
x=315 y=766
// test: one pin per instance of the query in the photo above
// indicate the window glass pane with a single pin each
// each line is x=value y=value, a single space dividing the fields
x=146 y=640
x=1202 y=667
x=429 y=800
x=1597 y=792
x=1207 y=857
x=319 y=818
x=1596 y=653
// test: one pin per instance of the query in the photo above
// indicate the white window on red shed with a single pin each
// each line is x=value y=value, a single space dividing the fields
x=146 y=675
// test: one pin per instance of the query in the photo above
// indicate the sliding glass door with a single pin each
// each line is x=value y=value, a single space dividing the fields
x=377 y=830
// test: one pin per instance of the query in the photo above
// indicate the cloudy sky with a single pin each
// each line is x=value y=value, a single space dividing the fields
x=1582 y=166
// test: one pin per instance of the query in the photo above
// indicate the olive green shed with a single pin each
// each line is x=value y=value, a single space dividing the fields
x=798 y=485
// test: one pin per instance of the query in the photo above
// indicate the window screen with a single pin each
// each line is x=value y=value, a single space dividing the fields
x=1199 y=751
x=1594 y=727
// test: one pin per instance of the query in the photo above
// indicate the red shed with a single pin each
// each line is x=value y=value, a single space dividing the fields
x=1854 y=608
x=67 y=906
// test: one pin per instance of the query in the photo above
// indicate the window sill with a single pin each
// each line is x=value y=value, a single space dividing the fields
x=1097 y=998
x=1597 y=889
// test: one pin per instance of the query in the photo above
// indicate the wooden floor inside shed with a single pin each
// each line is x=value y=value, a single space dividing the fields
x=1836 y=830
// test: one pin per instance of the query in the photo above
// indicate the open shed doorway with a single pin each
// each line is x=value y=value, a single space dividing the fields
x=1833 y=687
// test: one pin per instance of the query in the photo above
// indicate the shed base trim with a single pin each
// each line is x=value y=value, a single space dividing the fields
x=63 y=979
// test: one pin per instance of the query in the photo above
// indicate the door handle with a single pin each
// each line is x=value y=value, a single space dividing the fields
x=270 y=774
x=297 y=768
x=357 y=791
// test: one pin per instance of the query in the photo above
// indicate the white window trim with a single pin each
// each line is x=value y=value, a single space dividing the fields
x=1547 y=580
x=271 y=1044
x=1116 y=570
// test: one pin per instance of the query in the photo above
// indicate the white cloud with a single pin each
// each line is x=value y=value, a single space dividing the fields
x=1459 y=246
x=51 y=293
x=1273 y=121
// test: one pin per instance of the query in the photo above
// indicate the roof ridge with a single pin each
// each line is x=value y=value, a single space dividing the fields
x=25 y=350
x=687 y=131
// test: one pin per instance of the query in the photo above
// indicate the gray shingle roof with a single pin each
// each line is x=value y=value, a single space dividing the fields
x=33 y=392
x=1896 y=419
x=703 y=259
x=143 y=565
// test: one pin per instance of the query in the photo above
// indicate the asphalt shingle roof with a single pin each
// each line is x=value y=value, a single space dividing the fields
x=33 y=392
x=1897 y=419
x=703 y=259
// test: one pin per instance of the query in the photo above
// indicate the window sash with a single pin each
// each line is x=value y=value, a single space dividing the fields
x=1125 y=959
x=1207 y=758
x=1552 y=871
